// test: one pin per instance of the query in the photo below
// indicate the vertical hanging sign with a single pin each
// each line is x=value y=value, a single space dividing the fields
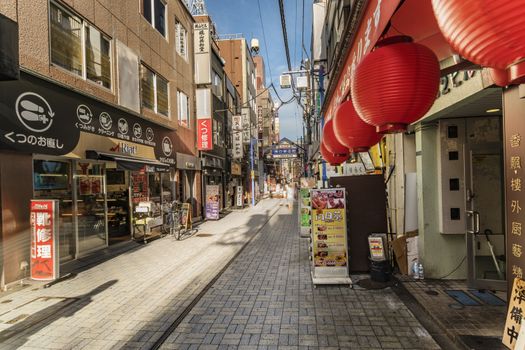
x=44 y=240
x=514 y=135
x=329 y=245
x=204 y=124
x=237 y=137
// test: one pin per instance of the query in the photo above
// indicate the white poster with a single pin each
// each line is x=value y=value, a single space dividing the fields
x=202 y=53
x=237 y=146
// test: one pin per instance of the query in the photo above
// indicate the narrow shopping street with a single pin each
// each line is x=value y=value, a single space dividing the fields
x=264 y=298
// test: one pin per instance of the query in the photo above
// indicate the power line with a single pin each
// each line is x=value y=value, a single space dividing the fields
x=285 y=35
x=264 y=40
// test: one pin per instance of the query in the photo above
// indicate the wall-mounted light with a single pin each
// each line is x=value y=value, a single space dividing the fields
x=493 y=110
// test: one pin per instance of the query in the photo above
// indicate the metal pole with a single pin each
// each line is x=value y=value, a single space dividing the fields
x=252 y=173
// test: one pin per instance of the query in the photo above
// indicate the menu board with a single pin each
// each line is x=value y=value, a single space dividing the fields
x=212 y=202
x=305 y=216
x=44 y=239
x=140 y=187
x=186 y=216
x=329 y=246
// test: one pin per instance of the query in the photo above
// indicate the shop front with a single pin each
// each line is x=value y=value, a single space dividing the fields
x=187 y=181
x=103 y=165
x=213 y=175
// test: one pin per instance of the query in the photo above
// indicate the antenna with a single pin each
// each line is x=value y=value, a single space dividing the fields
x=198 y=8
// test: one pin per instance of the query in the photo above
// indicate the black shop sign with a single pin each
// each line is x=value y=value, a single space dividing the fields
x=37 y=116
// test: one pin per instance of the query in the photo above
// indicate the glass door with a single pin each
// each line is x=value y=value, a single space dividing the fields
x=485 y=224
x=91 y=206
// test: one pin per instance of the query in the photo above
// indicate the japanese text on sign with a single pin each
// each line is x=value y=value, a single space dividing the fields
x=43 y=240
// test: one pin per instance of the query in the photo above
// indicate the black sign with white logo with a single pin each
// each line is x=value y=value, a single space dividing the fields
x=37 y=116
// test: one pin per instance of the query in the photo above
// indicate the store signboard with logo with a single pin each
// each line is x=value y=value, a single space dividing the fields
x=204 y=120
x=236 y=169
x=237 y=148
x=239 y=197
x=44 y=240
x=212 y=202
x=329 y=244
x=202 y=53
x=41 y=117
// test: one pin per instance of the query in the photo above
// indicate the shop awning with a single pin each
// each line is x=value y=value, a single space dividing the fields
x=125 y=162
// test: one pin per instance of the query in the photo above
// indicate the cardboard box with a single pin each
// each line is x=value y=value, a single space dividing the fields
x=399 y=246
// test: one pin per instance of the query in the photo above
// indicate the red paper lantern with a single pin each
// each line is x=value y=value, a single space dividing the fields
x=351 y=131
x=331 y=142
x=330 y=158
x=490 y=33
x=396 y=84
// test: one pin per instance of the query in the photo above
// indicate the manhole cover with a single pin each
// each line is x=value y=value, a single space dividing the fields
x=204 y=235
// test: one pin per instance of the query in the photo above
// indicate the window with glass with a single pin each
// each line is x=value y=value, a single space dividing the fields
x=154 y=11
x=72 y=39
x=154 y=91
x=217 y=84
x=183 y=108
x=181 y=40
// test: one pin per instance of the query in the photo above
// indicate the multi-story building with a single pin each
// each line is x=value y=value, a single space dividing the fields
x=210 y=79
x=240 y=69
x=101 y=120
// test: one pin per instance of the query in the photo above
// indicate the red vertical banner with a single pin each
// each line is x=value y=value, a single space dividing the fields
x=44 y=240
x=204 y=134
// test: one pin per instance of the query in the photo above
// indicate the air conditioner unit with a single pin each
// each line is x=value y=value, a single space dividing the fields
x=285 y=81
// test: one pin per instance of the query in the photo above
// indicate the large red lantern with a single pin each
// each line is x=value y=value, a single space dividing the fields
x=331 y=142
x=396 y=84
x=351 y=131
x=490 y=33
x=330 y=158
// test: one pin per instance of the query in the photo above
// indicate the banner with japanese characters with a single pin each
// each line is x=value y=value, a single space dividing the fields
x=44 y=240
x=514 y=126
x=514 y=315
x=212 y=202
x=329 y=245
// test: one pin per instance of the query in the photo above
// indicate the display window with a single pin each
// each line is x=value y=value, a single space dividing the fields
x=52 y=180
x=91 y=205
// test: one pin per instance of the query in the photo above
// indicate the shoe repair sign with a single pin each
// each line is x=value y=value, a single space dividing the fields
x=44 y=240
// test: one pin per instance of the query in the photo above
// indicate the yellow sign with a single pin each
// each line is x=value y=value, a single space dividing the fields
x=329 y=227
x=515 y=314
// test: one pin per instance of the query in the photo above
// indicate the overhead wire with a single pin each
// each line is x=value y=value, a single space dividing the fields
x=264 y=40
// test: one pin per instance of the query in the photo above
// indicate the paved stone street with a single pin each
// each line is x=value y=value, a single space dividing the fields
x=263 y=300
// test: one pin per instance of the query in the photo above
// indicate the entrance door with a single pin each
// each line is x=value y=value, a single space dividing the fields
x=484 y=203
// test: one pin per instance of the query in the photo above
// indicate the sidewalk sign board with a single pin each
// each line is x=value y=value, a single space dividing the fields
x=239 y=202
x=329 y=244
x=305 y=207
x=377 y=244
x=186 y=216
x=514 y=315
x=212 y=202
x=44 y=240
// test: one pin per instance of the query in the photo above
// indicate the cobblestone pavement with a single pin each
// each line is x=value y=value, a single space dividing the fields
x=263 y=300
x=266 y=300
x=128 y=301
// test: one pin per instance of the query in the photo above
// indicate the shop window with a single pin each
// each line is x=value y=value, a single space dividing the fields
x=52 y=180
x=181 y=45
x=183 y=109
x=154 y=11
x=90 y=57
x=154 y=91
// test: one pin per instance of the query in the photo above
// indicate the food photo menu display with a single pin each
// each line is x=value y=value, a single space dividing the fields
x=329 y=227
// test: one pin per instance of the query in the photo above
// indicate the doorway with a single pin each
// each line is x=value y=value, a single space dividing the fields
x=484 y=197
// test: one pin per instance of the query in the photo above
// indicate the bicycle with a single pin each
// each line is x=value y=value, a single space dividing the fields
x=172 y=220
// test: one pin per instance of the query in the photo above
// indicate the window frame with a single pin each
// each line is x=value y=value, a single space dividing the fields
x=152 y=13
x=179 y=110
x=178 y=25
x=84 y=23
x=156 y=76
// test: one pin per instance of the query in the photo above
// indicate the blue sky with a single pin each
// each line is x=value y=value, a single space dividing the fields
x=242 y=16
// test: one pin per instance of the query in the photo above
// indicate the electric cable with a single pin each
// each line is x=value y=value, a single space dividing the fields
x=455 y=269
x=264 y=40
